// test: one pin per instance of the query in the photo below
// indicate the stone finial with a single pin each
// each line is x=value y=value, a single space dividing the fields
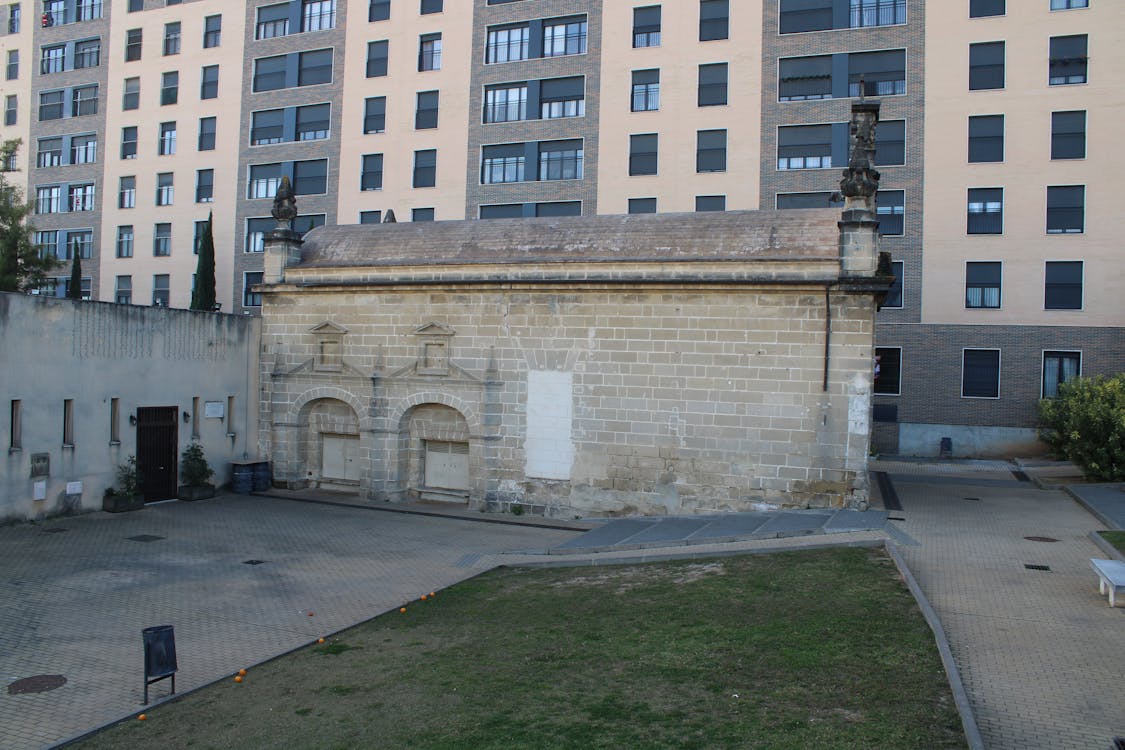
x=861 y=180
x=389 y=217
x=284 y=205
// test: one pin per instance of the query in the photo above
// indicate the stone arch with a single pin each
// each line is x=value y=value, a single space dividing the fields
x=431 y=434
x=403 y=407
x=297 y=408
x=330 y=446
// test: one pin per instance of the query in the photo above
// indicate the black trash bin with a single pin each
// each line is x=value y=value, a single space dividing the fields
x=160 y=655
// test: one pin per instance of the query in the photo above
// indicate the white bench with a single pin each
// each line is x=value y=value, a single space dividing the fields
x=1111 y=576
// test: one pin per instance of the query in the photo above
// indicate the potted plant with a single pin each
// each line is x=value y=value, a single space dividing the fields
x=195 y=472
x=127 y=495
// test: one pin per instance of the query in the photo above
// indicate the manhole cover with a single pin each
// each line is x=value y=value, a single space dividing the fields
x=55 y=530
x=144 y=538
x=1040 y=539
x=40 y=683
x=1037 y=567
x=252 y=562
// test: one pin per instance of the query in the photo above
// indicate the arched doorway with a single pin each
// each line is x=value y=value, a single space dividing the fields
x=434 y=454
x=329 y=445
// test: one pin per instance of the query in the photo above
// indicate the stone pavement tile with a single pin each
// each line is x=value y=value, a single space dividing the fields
x=1106 y=500
x=1039 y=651
x=75 y=602
x=618 y=531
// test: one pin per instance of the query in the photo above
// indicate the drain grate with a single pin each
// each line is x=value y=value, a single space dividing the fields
x=1040 y=539
x=40 y=683
x=252 y=562
x=973 y=499
x=144 y=538
x=1021 y=475
x=895 y=518
x=1037 y=567
x=55 y=530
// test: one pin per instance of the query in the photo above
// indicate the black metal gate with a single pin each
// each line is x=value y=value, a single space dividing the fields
x=157 y=440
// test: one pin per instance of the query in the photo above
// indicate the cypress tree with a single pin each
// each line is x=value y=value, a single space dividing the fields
x=203 y=296
x=74 y=291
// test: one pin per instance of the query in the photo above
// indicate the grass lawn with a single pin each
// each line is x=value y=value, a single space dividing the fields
x=819 y=649
x=1116 y=538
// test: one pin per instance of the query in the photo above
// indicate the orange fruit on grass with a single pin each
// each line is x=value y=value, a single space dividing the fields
x=242 y=673
x=402 y=609
x=320 y=640
x=238 y=678
x=142 y=717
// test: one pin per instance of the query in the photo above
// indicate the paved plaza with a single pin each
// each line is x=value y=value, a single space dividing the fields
x=1040 y=652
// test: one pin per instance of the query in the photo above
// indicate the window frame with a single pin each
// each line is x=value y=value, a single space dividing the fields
x=1063 y=289
x=999 y=371
x=981 y=224
x=1060 y=354
x=880 y=351
x=983 y=284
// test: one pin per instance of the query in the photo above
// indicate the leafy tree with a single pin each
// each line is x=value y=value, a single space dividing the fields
x=1086 y=424
x=74 y=291
x=21 y=266
x=203 y=296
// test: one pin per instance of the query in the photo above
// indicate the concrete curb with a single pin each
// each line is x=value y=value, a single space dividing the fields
x=1112 y=552
x=960 y=696
x=1105 y=520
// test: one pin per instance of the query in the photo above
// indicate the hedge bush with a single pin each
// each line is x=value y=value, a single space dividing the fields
x=1086 y=424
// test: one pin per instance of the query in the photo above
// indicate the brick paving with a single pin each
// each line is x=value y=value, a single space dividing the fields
x=1041 y=654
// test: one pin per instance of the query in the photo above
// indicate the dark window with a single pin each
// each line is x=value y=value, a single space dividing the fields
x=646 y=26
x=377 y=58
x=431 y=6
x=890 y=143
x=712 y=85
x=646 y=90
x=124 y=291
x=273 y=21
x=986 y=66
x=642 y=205
x=564 y=36
x=172 y=38
x=710 y=203
x=502 y=211
x=980 y=373
x=1068 y=135
x=310 y=177
x=562 y=97
x=888 y=370
x=559 y=208
x=425 y=168
x=711 y=151
x=1058 y=368
x=1068 y=60
x=714 y=20
x=125 y=241
x=166 y=143
x=642 y=154
x=87 y=53
x=11 y=111
x=169 y=88
x=379 y=10
x=983 y=8
x=12 y=72
x=505 y=162
x=804 y=147
x=264 y=180
x=507 y=43
x=162 y=245
x=313 y=122
x=204 y=185
x=374 y=114
x=251 y=279
x=505 y=102
x=894 y=294
x=891 y=211
x=801 y=78
x=50 y=105
x=805 y=15
x=127 y=192
x=560 y=160
x=864 y=13
x=808 y=200
x=129 y=142
x=212 y=31
x=883 y=73
x=1062 y=289
x=131 y=99
x=982 y=284
x=318 y=15
x=421 y=214
x=1069 y=4
x=426 y=112
x=985 y=211
x=1066 y=206
x=206 y=134
x=165 y=189
x=84 y=101
x=314 y=66
x=986 y=138
x=209 y=82
x=133 y=40
x=371 y=178
x=429 y=52
x=370 y=217
x=256 y=230
x=269 y=73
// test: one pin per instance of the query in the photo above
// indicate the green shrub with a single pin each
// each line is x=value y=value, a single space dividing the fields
x=1086 y=424
x=193 y=466
x=128 y=478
